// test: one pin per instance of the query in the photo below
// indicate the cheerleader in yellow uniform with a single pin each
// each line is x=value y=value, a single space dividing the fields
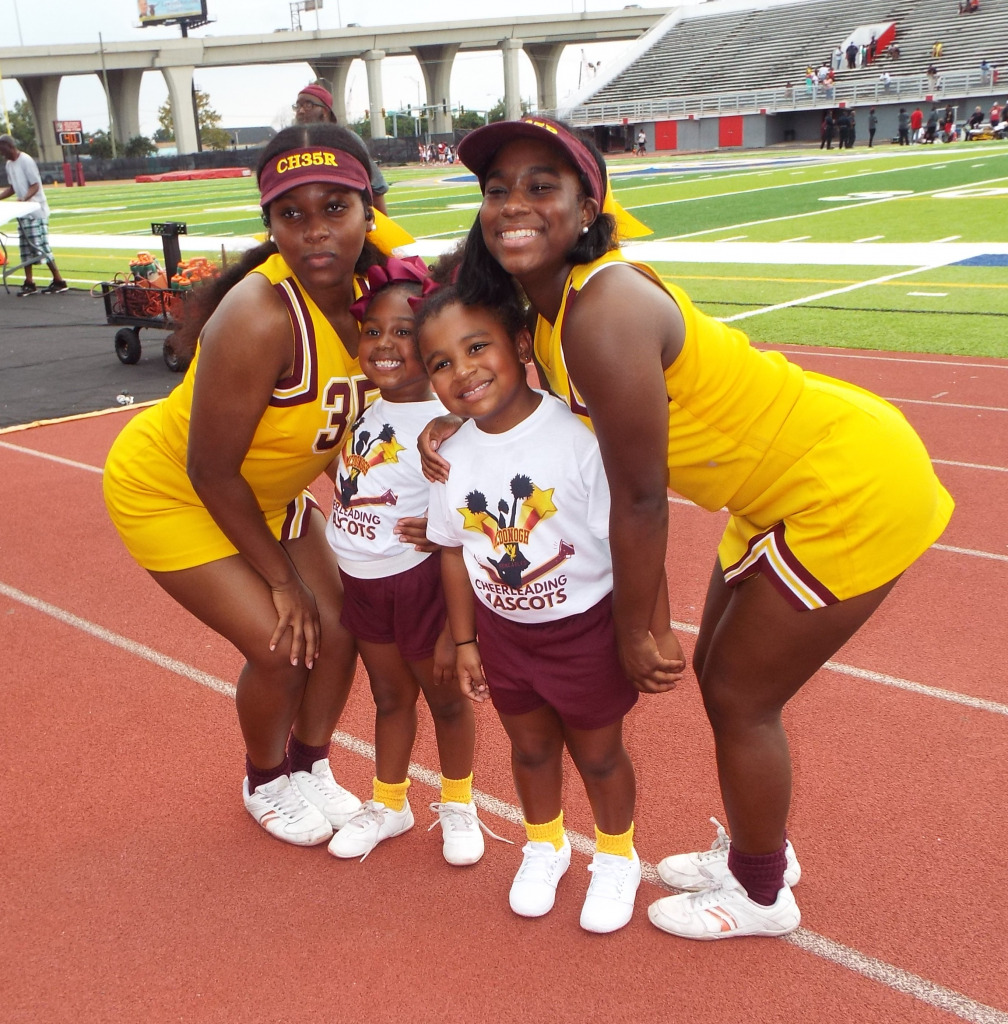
x=208 y=487
x=831 y=493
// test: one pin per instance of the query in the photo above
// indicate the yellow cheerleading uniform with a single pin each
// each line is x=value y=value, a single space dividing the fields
x=830 y=490
x=147 y=490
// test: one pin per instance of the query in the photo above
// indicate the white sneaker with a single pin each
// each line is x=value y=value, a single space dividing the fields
x=368 y=827
x=534 y=887
x=690 y=872
x=724 y=911
x=461 y=828
x=319 y=788
x=281 y=809
x=610 y=900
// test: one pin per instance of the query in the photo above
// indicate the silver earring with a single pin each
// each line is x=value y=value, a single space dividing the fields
x=584 y=230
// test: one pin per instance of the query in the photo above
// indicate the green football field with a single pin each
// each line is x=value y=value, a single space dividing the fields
x=890 y=248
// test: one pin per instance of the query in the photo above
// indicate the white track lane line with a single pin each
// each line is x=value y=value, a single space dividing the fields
x=879 y=971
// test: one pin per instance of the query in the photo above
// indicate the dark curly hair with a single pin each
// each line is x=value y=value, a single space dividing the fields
x=482 y=280
x=207 y=297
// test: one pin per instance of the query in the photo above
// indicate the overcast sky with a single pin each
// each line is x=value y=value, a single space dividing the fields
x=263 y=95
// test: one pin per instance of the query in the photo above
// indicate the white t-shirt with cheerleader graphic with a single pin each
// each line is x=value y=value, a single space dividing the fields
x=530 y=509
x=378 y=482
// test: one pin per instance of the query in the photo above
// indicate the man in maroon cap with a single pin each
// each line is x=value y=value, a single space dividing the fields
x=314 y=104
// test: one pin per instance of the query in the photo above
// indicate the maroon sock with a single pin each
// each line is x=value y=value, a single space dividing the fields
x=760 y=874
x=260 y=776
x=302 y=757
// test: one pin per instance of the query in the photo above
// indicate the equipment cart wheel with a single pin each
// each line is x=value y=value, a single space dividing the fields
x=127 y=345
x=175 y=362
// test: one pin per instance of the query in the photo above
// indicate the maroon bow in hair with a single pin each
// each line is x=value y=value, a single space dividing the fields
x=407 y=268
x=415 y=301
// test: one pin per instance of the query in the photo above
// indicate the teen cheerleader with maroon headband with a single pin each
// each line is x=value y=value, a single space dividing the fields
x=208 y=488
x=831 y=493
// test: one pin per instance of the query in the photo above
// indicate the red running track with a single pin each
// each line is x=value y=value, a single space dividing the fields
x=135 y=886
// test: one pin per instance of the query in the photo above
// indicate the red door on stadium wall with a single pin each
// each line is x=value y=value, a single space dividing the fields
x=730 y=131
x=665 y=135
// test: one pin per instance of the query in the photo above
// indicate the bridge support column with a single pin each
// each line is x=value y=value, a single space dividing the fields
x=41 y=92
x=180 y=93
x=124 y=95
x=512 y=90
x=335 y=76
x=436 y=67
x=376 y=101
x=545 y=59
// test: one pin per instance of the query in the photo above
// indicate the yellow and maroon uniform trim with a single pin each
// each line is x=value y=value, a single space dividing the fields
x=768 y=553
x=300 y=387
x=295 y=524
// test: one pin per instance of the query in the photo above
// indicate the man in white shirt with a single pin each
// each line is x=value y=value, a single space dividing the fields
x=33 y=229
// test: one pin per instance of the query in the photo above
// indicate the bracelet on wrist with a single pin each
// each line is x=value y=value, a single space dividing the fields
x=462 y=643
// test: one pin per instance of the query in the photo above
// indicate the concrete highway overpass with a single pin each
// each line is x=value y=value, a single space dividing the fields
x=40 y=69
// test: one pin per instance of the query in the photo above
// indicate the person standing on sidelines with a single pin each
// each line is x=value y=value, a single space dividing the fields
x=314 y=105
x=33 y=229
x=831 y=494
x=208 y=488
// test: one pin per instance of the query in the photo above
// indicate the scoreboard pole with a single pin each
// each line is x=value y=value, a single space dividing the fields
x=69 y=134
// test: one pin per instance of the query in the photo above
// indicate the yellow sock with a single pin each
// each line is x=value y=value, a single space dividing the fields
x=551 y=832
x=456 y=791
x=618 y=846
x=391 y=794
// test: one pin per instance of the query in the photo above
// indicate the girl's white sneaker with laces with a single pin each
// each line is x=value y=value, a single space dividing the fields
x=533 y=890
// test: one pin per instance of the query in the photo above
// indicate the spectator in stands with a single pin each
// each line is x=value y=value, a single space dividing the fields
x=33 y=229
x=826 y=131
x=870 y=51
x=872 y=125
x=969 y=6
x=985 y=71
x=314 y=106
x=852 y=55
x=885 y=80
x=916 y=121
x=894 y=51
x=936 y=50
x=837 y=61
x=903 y=126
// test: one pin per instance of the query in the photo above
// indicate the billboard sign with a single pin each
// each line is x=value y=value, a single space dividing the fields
x=157 y=12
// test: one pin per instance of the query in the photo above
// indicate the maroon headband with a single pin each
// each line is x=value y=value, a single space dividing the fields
x=312 y=164
x=479 y=147
x=396 y=271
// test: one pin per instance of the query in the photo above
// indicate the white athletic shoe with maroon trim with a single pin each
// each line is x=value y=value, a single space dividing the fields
x=281 y=809
x=724 y=911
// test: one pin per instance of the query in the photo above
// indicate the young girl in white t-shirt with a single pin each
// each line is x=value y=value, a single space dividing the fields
x=523 y=521
x=393 y=603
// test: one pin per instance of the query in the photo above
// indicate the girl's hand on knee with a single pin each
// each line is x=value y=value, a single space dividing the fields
x=297 y=611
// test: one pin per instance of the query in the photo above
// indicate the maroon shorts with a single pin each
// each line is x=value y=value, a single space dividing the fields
x=570 y=664
x=407 y=609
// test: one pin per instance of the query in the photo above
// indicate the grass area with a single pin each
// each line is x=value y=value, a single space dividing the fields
x=913 y=195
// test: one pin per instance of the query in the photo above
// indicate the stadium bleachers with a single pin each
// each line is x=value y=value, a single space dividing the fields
x=718 y=48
